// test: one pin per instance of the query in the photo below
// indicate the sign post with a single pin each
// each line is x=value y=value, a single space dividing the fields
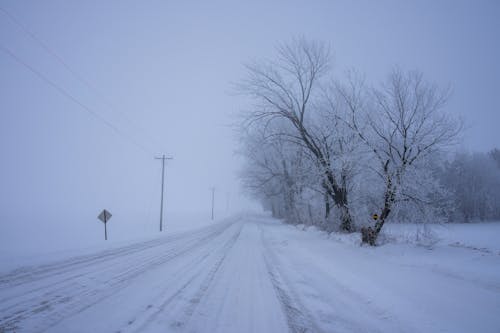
x=104 y=217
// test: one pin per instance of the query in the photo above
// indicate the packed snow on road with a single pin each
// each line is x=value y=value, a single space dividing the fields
x=256 y=274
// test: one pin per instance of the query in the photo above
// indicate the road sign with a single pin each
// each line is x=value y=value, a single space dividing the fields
x=375 y=217
x=104 y=216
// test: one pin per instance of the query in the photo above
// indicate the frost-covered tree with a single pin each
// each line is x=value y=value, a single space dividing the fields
x=474 y=181
x=403 y=124
x=345 y=147
x=275 y=173
x=287 y=90
x=495 y=155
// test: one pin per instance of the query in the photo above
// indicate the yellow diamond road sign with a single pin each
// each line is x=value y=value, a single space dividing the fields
x=375 y=216
x=104 y=216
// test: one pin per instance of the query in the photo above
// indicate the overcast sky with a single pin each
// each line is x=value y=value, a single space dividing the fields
x=163 y=72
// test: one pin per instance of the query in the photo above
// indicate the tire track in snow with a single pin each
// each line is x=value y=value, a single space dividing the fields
x=31 y=306
x=98 y=270
x=194 y=300
x=26 y=275
x=76 y=297
x=298 y=318
x=334 y=306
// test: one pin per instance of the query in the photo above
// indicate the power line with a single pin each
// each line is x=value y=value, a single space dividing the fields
x=79 y=77
x=72 y=98
x=45 y=47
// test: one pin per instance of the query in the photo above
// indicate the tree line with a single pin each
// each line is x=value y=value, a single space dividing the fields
x=328 y=152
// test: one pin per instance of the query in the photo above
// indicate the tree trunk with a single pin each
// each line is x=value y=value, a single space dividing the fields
x=346 y=219
x=327 y=206
x=309 y=210
x=369 y=235
x=336 y=192
x=340 y=199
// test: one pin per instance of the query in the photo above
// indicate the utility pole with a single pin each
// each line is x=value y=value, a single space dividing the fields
x=163 y=158
x=213 y=198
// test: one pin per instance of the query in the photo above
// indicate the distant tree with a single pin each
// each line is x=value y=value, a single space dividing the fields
x=274 y=173
x=474 y=180
x=495 y=155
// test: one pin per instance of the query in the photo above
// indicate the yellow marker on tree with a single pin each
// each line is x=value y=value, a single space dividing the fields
x=375 y=217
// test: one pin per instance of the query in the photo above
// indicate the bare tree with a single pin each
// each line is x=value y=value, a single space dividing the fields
x=474 y=181
x=495 y=155
x=286 y=90
x=277 y=173
x=402 y=123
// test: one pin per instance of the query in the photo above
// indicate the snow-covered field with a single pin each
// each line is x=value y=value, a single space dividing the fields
x=47 y=241
x=255 y=274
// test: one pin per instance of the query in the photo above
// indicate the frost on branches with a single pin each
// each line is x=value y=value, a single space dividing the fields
x=330 y=153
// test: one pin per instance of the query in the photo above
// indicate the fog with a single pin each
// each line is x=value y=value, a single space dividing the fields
x=158 y=77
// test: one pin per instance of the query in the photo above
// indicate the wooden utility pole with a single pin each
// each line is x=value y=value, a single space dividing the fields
x=213 y=198
x=163 y=158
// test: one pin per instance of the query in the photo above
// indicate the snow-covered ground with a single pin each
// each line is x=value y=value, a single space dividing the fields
x=48 y=241
x=479 y=236
x=255 y=274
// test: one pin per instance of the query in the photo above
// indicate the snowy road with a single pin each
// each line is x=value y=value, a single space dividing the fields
x=250 y=275
x=213 y=279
